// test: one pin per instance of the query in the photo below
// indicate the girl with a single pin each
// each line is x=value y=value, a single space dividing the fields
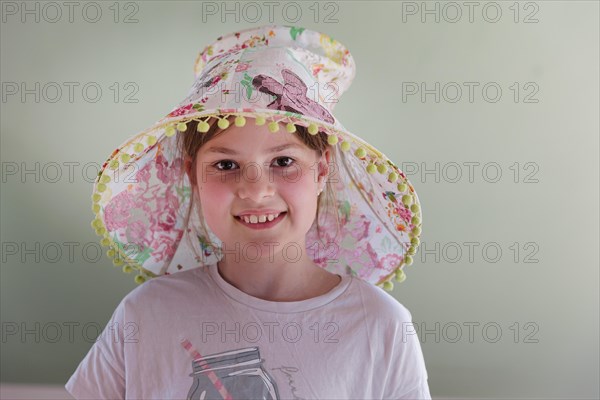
x=266 y=228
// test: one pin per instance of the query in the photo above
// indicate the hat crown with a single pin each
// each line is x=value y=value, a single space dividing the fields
x=329 y=63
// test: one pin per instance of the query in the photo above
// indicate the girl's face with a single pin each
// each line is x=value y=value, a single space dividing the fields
x=251 y=171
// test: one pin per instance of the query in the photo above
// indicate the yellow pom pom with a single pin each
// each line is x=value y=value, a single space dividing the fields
x=400 y=276
x=181 y=127
x=203 y=127
x=260 y=120
x=407 y=199
x=313 y=129
x=402 y=187
x=223 y=123
x=273 y=126
x=291 y=128
x=96 y=223
x=96 y=197
x=104 y=179
x=392 y=177
x=127 y=269
x=416 y=231
x=170 y=130
x=96 y=208
x=415 y=208
x=388 y=286
x=139 y=279
x=114 y=164
x=408 y=260
x=412 y=250
x=371 y=168
x=415 y=220
x=360 y=152
x=138 y=147
x=100 y=231
x=415 y=241
x=117 y=262
x=101 y=187
x=110 y=253
x=345 y=146
x=151 y=140
x=240 y=121
x=382 y=168
x=332 y=139
x=105 y=242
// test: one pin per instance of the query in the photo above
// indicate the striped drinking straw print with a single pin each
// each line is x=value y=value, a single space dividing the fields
x=211 y=375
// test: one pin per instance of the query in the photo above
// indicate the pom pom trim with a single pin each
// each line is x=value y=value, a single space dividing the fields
x=132 y=150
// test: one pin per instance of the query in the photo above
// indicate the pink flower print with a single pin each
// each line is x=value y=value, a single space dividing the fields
x=242 y=67
x=137 y=231
x=390 y=261
x=118 y=210
x=182 y=111
x=167 y=173
x=359 y=229
x=404 y=213
x=164 y=245
x=357 y=252
x=322 y=246
x=373 y=255
x=368 y=265
x=143 y=174
x=166 y=216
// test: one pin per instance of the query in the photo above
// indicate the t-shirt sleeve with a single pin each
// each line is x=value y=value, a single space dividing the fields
x=101 y=374
x=407 y=375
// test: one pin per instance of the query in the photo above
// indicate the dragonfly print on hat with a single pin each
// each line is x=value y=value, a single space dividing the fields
x=291 y=96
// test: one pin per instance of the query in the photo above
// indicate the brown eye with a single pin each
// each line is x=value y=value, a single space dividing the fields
x=284 y=161
x=226 y=165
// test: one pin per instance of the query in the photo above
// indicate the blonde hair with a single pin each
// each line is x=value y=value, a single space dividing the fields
x=190 y=141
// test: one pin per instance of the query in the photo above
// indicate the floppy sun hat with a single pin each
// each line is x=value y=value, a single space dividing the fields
x=282 y=77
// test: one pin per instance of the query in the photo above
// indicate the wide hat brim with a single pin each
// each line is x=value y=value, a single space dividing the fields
x=262 y=76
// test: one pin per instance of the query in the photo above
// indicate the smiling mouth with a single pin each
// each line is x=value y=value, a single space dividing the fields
x=254 y=223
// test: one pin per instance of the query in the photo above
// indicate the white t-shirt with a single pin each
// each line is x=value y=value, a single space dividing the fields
x=354 y=342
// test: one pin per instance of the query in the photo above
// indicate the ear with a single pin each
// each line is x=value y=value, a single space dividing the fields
x=324 y=164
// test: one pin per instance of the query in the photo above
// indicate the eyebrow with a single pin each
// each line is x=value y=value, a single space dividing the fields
x=225 y=150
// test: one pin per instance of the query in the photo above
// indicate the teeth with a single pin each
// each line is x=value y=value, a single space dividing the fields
x=254 y=219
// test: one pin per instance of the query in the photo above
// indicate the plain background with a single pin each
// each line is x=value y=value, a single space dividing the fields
x=541 y=291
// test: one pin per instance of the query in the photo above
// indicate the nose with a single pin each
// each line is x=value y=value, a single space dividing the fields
x=255 y=183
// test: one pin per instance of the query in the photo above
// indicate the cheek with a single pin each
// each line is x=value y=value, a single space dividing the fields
x=300 y=190
x=214 y=194
x=211 y=189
